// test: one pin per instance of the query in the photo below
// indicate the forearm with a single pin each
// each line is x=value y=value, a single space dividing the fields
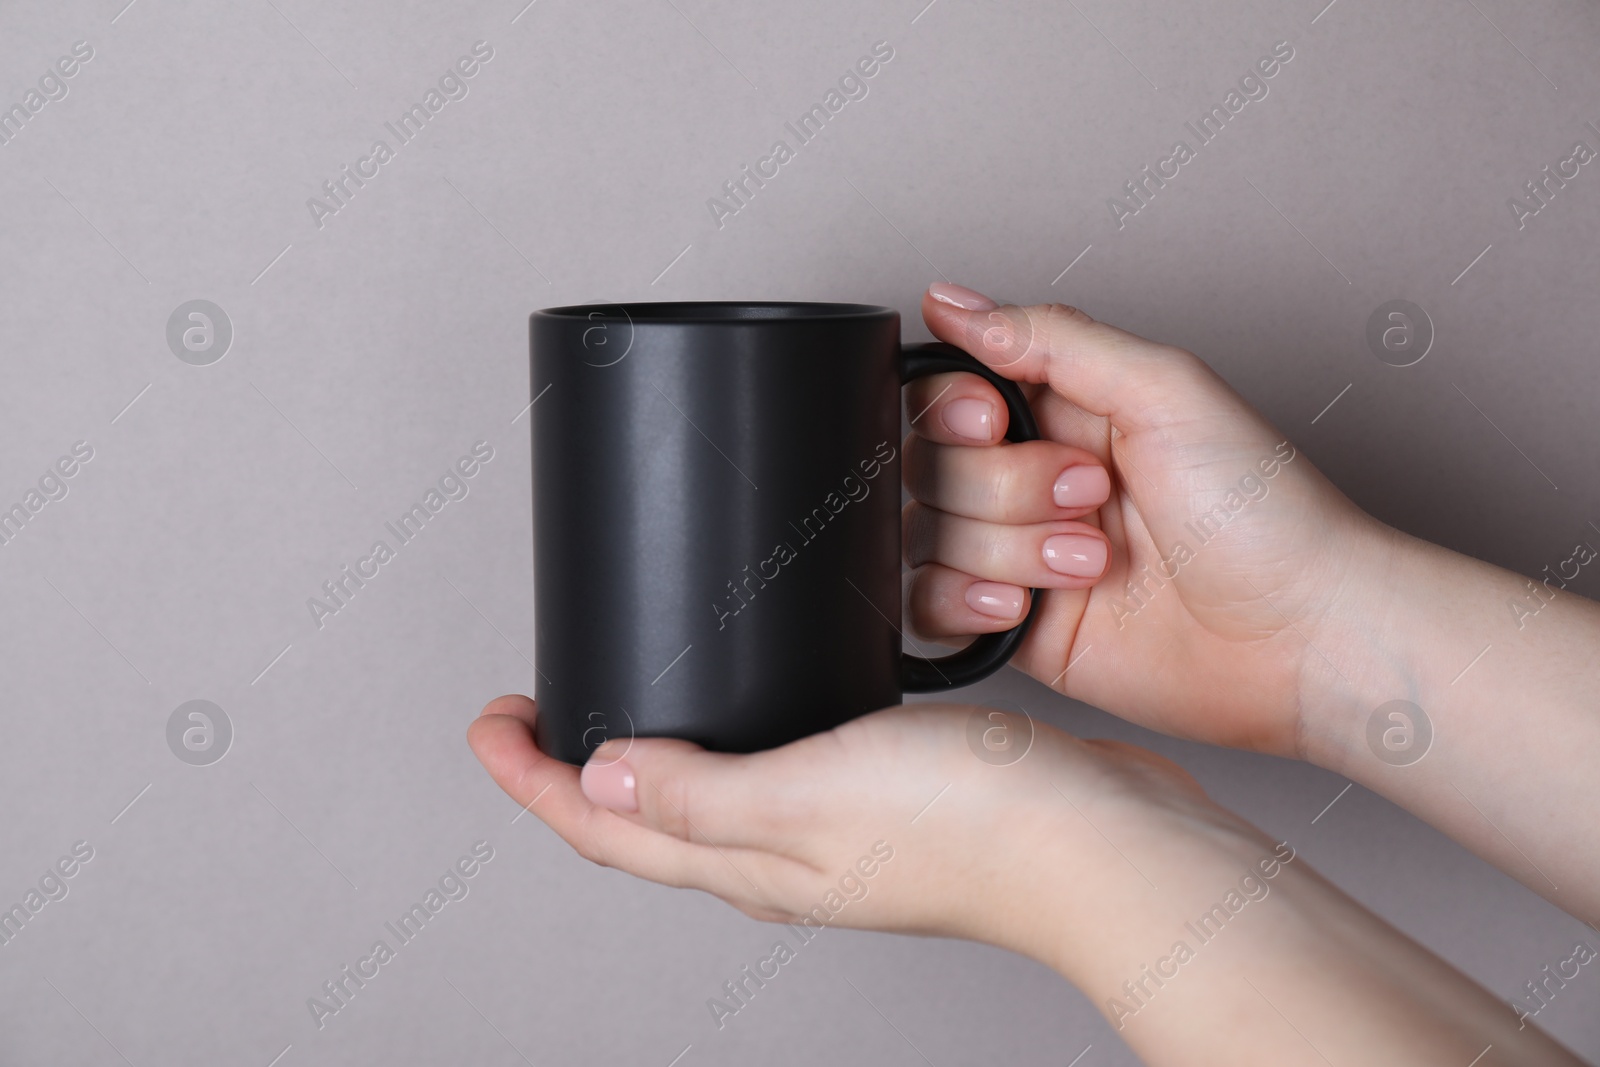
x=1507 y=675
x=1298 y=974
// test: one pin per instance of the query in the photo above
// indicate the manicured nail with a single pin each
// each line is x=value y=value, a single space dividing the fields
x=969 y=417
x=610 y=785
x=960 y=296
x=995 y=599
x=1078 y=555
x=1084 y=486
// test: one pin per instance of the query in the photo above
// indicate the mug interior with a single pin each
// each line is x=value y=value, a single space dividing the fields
x=718 y=311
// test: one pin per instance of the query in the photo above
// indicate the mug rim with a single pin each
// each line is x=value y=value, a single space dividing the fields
x=713 y=312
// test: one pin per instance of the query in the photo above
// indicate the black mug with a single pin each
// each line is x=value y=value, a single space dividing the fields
x=717 y=521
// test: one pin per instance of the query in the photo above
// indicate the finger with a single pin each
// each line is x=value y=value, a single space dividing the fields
x=502 y=739
x=1062 y=420
x=957 y=409
x=1137 y=383
x=681 y=790
x=1045 y=555
x=941 y=603
x=1030 y=481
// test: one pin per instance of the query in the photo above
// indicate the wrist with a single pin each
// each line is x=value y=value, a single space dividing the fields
x=1298 y=948
x=1366 y=648
x=1500 y=671
x=1118 y=876
x=1229 y=884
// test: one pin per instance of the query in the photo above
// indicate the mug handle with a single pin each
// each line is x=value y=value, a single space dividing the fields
x=988 y=652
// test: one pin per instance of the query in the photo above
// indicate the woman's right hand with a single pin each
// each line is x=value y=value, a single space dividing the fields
x=1230 y=552
x=1248 y=602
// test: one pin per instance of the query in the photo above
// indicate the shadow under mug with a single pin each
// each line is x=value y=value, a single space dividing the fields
x=717 y=521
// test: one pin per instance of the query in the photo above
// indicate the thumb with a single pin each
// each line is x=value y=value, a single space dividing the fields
x=1138 y=384
x=680 y=789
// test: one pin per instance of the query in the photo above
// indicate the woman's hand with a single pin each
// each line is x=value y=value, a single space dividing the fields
x=1248 y=602
x=1229 y=551
x=1100 y=860
x=893 y=821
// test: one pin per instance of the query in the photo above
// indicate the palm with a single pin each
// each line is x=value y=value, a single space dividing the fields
x=1208 y=617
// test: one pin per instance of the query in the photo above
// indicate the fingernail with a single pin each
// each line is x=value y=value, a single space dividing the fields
x=960 y=296
x=995 y=599
x=610 y=785
x=970 y=418
x=1078 y=555
x=1084 y=486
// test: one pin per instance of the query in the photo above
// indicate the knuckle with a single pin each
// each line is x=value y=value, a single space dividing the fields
x=1060 y=322
x=994 y=548
x=588 y=843
x=670 y=812
x=918 y=521
x=1066 y=315
x=1062 y=329
x=1179 y=361
x=1005 y=488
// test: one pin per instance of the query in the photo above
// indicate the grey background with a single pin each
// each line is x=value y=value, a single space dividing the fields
x=370 y=354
